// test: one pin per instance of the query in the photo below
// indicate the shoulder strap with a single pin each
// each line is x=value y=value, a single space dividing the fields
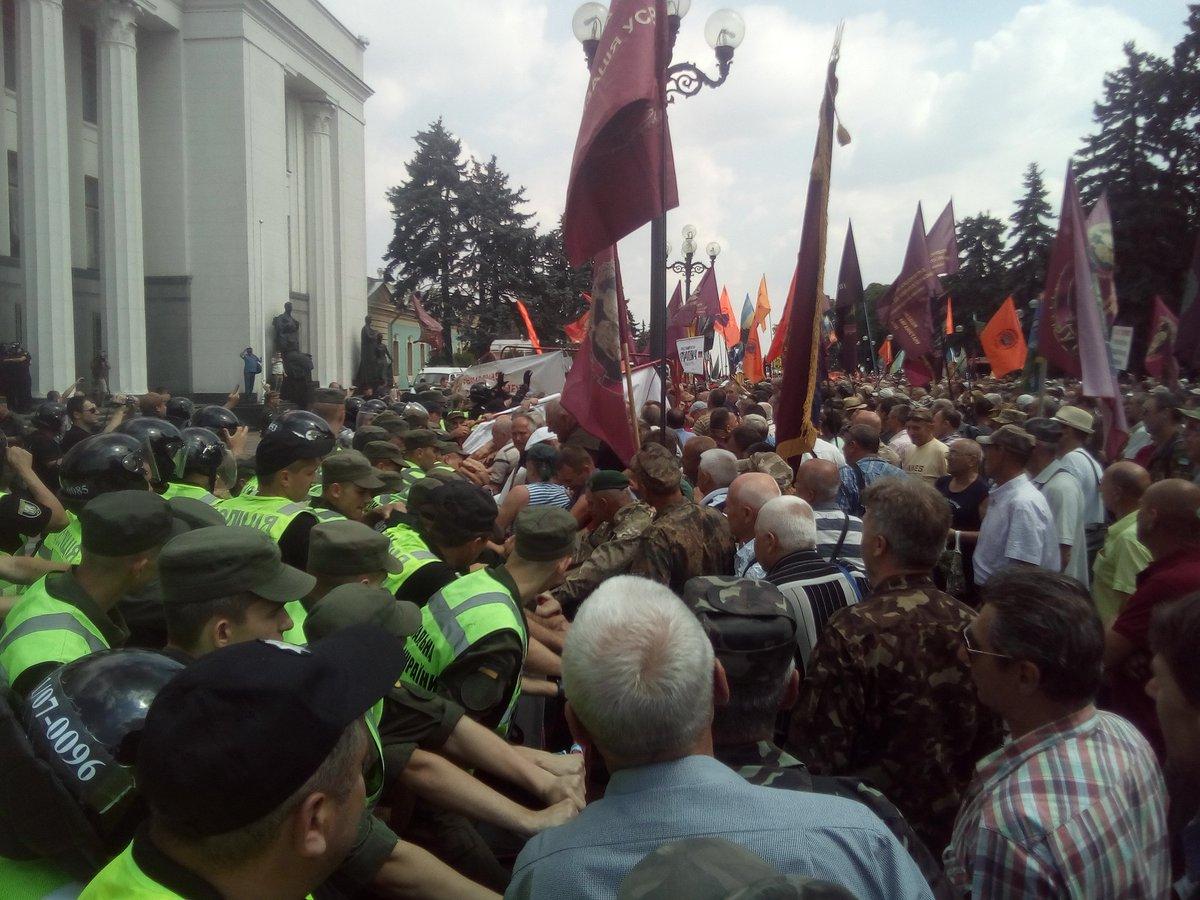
x=837 y=550
x=859 y=478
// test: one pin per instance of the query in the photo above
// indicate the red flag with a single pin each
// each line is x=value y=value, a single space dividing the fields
x=623 y=171
x=431 y=328
x=529 y=329
x=705 y=302
x=677 y=321
x=885 y=352
x=779 y=342
x=1187 y=343
x=727 y=323
x=594 y=392
x=849 y=298
x=1003 y=340
x=949 y=315
x=943 y=243
x=577 y=329
x=904 y=309
x=1161 y=349
x=795 y=431
x=918 y=371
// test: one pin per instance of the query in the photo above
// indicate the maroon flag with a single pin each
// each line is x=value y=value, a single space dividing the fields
x=906 y=305
x=1187 y=343
x=623 y=172
x=431 y=328
x=1102 y=256
x=677 y=321
x=802 y=359
x=943 y=243
x=849 y=299
x=1163 y=330
x=705 y=302
x=594 y=392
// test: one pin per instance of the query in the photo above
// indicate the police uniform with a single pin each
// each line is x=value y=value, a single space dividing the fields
x=63 y=546
x=56 y=621
x=20 y=519
x=191 y=491
x=473 y=638
x=417 y=439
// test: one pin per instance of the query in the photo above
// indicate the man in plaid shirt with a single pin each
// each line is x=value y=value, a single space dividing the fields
x=1074 y=805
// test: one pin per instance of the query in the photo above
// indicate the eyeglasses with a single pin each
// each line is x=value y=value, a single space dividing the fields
x=966 y=636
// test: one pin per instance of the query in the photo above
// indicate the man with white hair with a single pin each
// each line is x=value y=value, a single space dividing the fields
x=747 y=495
x=718 y=468
x=785 y=538
x=839 y=534
x=641 y=679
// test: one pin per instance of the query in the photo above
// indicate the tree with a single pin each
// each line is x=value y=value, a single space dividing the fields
x=557 y=296
x=979 y=286
x=1028 y=251
x=430 y=240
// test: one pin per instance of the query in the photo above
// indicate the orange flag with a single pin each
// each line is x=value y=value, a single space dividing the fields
x=730 y=327
x=1003 y=341
x=533 y=337
x=752 y=362
x=949 y=314
x=779 y=343
x=885 y=352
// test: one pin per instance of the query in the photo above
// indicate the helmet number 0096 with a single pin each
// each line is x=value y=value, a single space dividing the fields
x=65 y=741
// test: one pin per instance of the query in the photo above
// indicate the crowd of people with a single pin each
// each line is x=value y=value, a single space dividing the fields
x=445 y=643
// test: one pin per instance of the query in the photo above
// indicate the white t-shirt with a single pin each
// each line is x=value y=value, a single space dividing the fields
x=822 y=449
x=1087 y=473
x=1062 y=493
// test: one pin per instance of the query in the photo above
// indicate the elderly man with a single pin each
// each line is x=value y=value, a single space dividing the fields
x=1076 y=429
x=946 y=423
x=1166 y=456
x=641 y=682
x=839 y=534
x=885 y=694
x=682 y=540
x=1063 y=495
x=786 y=536
x=1114 y=574
x=871 y=419
x=692 y=450
x=1073 y=805
x=504 y=454
x=718 y=468
x=747 y=495
x=927 y=459
x=897 y=425
x=864 y=466
x=1018 y=528
x=1167 y=527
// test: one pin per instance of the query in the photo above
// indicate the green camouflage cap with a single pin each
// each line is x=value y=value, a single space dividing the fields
x=377 y=450
x=545 y=533
x=656 y=469
x=716 y=869
x=350 y=467
x=356 y=604
x=768 y=464
x=750 y=623
x=419 y=438
x=366 y=434
x=390 y=422
x=1010 y=417
x=220 y=562
x=346 y=547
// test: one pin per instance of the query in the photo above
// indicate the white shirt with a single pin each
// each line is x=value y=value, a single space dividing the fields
x=902 y=445
x=1138 y=438
x=822 y=449
x=1062 y=493
x=1018 y=527
x=1087 y=473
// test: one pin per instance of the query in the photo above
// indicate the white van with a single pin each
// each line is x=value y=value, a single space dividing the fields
x=438 y=376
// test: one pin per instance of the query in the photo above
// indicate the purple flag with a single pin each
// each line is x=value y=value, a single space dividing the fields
x=943 y=243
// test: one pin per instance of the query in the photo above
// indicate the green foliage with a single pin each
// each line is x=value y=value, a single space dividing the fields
x=979 y=285
x=1028 y=251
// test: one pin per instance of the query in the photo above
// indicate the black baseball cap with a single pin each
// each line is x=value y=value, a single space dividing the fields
x=243 y=728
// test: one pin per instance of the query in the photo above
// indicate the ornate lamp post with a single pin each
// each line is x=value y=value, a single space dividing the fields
x=686 y=267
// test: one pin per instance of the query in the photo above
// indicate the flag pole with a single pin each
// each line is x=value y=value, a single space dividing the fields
x=633 y=426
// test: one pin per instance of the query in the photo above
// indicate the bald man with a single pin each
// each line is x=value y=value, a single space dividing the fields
x=871 y=418
x=1123 y=556
x=839 y=534
x=1168 y=527
x=691 y=456
x=747 y=495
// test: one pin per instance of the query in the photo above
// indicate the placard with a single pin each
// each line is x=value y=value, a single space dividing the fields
x=691 y=354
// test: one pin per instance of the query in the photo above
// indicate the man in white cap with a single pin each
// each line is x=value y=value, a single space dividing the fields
x=1077 y=427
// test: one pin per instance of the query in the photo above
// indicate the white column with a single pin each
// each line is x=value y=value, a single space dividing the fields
x=45 y=193
x=319 y=236
x=121 y=264
x=5 y=235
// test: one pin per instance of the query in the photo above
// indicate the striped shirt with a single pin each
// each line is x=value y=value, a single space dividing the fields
x=1072 y=809
x=815 y=589
x=547 y=493
x=830 y=520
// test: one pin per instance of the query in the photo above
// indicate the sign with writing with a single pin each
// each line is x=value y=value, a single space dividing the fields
x=691 y=354
x=1120 y=344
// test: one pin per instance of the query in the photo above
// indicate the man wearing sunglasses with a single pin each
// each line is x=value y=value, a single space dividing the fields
x=85 y=420
x=1073 y=805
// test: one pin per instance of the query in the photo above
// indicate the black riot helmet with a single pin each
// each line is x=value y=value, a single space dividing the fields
x=163 y=439
x=297 y=434
x=215 y=418
x=84 y=721
x=180 y=411
x=353 y=405
x=49 y=416
x=102 y=464
x=202 y=454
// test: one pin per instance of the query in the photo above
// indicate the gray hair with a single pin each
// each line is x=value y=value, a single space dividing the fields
x=720 y=466
x=792 y=522
x=637 y=669
x=913 y=518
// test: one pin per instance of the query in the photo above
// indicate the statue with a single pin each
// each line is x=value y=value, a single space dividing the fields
x=383 y=361
x=287 y=331
x=368 y=365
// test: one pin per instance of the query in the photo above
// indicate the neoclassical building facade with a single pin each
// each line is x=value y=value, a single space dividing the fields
x=176 y=171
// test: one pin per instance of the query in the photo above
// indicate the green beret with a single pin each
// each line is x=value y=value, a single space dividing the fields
x=545 y=533
x=345 y=547
x=210 y=563
x=125 y=523
x=356 y=604
x=608 y=480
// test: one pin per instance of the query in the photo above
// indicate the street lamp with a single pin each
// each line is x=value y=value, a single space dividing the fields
x=686 y=267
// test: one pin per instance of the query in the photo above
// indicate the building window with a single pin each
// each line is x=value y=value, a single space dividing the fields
x=90 y=74
x=91 y=220
x=10 y=44
x=14 y=204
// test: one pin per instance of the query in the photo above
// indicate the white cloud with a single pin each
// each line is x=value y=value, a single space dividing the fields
x=933 y=115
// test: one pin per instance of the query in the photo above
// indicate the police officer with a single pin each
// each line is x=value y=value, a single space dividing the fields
x=180 y=411
x=164 y=441
x=330 y=405
x=65 y=616
x=286 y=461
x=99 y=465
x=474 y=639
x=45 y=440
x=195 y=474
x=35 y=511
x=394 y=425
x=365 y=434
x=73 y=810
x=385 y=456
x=347 y=552
x=349 y=482
x=277 y=824
x=225 y=586
x=421 y=454
x=752 y=628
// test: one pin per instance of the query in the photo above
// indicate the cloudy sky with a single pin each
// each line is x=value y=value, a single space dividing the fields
x=944 y=99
